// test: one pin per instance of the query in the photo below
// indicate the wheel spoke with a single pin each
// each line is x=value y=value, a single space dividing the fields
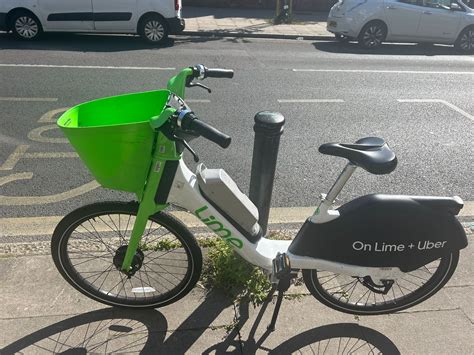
x=93 y=253
x=352 y=294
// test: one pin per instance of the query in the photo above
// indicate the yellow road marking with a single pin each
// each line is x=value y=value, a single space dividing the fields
x=28 y=226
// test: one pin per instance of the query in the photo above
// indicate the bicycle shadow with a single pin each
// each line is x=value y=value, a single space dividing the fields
x=339 y=338
x=116 y=330
x=112 y=330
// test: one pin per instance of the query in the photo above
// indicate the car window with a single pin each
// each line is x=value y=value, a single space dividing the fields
x=469 y=3
x=438 y=4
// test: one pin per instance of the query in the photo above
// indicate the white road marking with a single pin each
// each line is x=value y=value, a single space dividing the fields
x=385 y=71
x=50 y=155
x=198 y=101
x=30 y=99
x=450 y=105
x=29 y=226
x=14 y=157
x=40 y=200
x=283 y=101
x=50 y=115
x=36 y=135
x=82 y=67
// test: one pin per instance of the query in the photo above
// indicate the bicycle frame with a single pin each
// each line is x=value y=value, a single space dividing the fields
x=185 y=193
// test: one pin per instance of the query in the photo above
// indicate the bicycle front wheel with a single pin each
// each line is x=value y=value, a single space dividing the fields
x=356 y=295
x=89 y=244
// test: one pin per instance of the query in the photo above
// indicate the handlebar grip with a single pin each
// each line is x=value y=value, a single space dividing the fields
x=203 y=129
x=220 y=73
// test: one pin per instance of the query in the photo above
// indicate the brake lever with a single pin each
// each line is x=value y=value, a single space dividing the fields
x=192 y=84
x=188 y=147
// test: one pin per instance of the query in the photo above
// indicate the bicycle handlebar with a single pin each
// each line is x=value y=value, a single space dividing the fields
x=201 y=72
x=219 y=73
x=190 y=121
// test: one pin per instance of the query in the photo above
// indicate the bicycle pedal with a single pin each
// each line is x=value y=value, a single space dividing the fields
x=281 y=265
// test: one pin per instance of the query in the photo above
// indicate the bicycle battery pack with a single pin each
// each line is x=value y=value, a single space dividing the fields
x=386 y=231
x=224 y=194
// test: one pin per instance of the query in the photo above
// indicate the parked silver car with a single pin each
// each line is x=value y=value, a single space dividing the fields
x=372 y=22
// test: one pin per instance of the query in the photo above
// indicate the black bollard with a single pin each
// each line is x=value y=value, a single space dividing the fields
x=268 y=129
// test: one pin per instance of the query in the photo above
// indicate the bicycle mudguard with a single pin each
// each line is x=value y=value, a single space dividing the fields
x=386 y=231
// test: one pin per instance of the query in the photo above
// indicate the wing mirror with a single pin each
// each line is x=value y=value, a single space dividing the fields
x=455 y=7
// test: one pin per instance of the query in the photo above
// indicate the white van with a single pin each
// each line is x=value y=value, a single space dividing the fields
x=154 y=20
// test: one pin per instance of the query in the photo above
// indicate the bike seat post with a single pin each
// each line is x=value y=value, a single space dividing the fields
x=336 y=188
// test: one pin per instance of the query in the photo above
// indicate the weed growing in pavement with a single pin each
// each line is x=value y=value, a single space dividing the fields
x=236 y=278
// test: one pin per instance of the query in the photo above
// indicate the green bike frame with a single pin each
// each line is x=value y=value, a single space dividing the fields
x=164 y=150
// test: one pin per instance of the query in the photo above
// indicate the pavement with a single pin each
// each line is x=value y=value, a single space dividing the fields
x=232 y=22
x=40 y=314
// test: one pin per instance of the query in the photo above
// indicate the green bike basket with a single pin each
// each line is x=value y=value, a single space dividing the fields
x=113 y=137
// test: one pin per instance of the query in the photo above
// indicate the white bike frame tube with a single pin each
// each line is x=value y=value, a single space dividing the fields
x=185 y=193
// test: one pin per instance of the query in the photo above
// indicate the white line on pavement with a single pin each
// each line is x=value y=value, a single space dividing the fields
x=28 y=226
x=198 y=101
x=82 y=67
x=283 y=101
x=30 y=99
x=450 y=105
x=385 y=71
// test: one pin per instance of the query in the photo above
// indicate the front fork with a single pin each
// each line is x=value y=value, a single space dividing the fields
x=164 y=150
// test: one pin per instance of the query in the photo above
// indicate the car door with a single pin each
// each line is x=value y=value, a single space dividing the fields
x=438 y=21
x=403 y=17
x=66 y=15
x=115 y=15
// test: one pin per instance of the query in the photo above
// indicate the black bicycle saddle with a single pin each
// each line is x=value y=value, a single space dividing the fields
x=372 y=154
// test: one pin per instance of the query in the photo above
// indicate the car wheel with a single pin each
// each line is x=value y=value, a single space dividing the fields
x=372 y=34
x=153 y=29
x=465 y=41
x=25 y=26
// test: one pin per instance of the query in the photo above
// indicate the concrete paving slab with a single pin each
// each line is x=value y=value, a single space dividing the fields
x=54 y=334
x=296 y=317
x=443 y=332
x=31 y=286
x=252 y=23
x=106 y=332
x=463 y=276
x=306 y=314
x=464 y=298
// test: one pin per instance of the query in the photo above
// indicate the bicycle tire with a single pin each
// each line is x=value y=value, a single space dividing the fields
x=375 y=304
x=95 y=244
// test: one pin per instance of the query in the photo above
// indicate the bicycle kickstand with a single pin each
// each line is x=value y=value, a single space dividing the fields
x=282 y=270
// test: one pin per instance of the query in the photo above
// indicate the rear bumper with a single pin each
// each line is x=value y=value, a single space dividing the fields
x=3 y=21
x=175 y=25
x=341 y=25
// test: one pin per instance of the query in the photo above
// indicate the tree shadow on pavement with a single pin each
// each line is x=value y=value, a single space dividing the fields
x=386 y=49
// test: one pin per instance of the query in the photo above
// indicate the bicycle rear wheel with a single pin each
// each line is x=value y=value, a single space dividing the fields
x=351 y=295
x=89 y=244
